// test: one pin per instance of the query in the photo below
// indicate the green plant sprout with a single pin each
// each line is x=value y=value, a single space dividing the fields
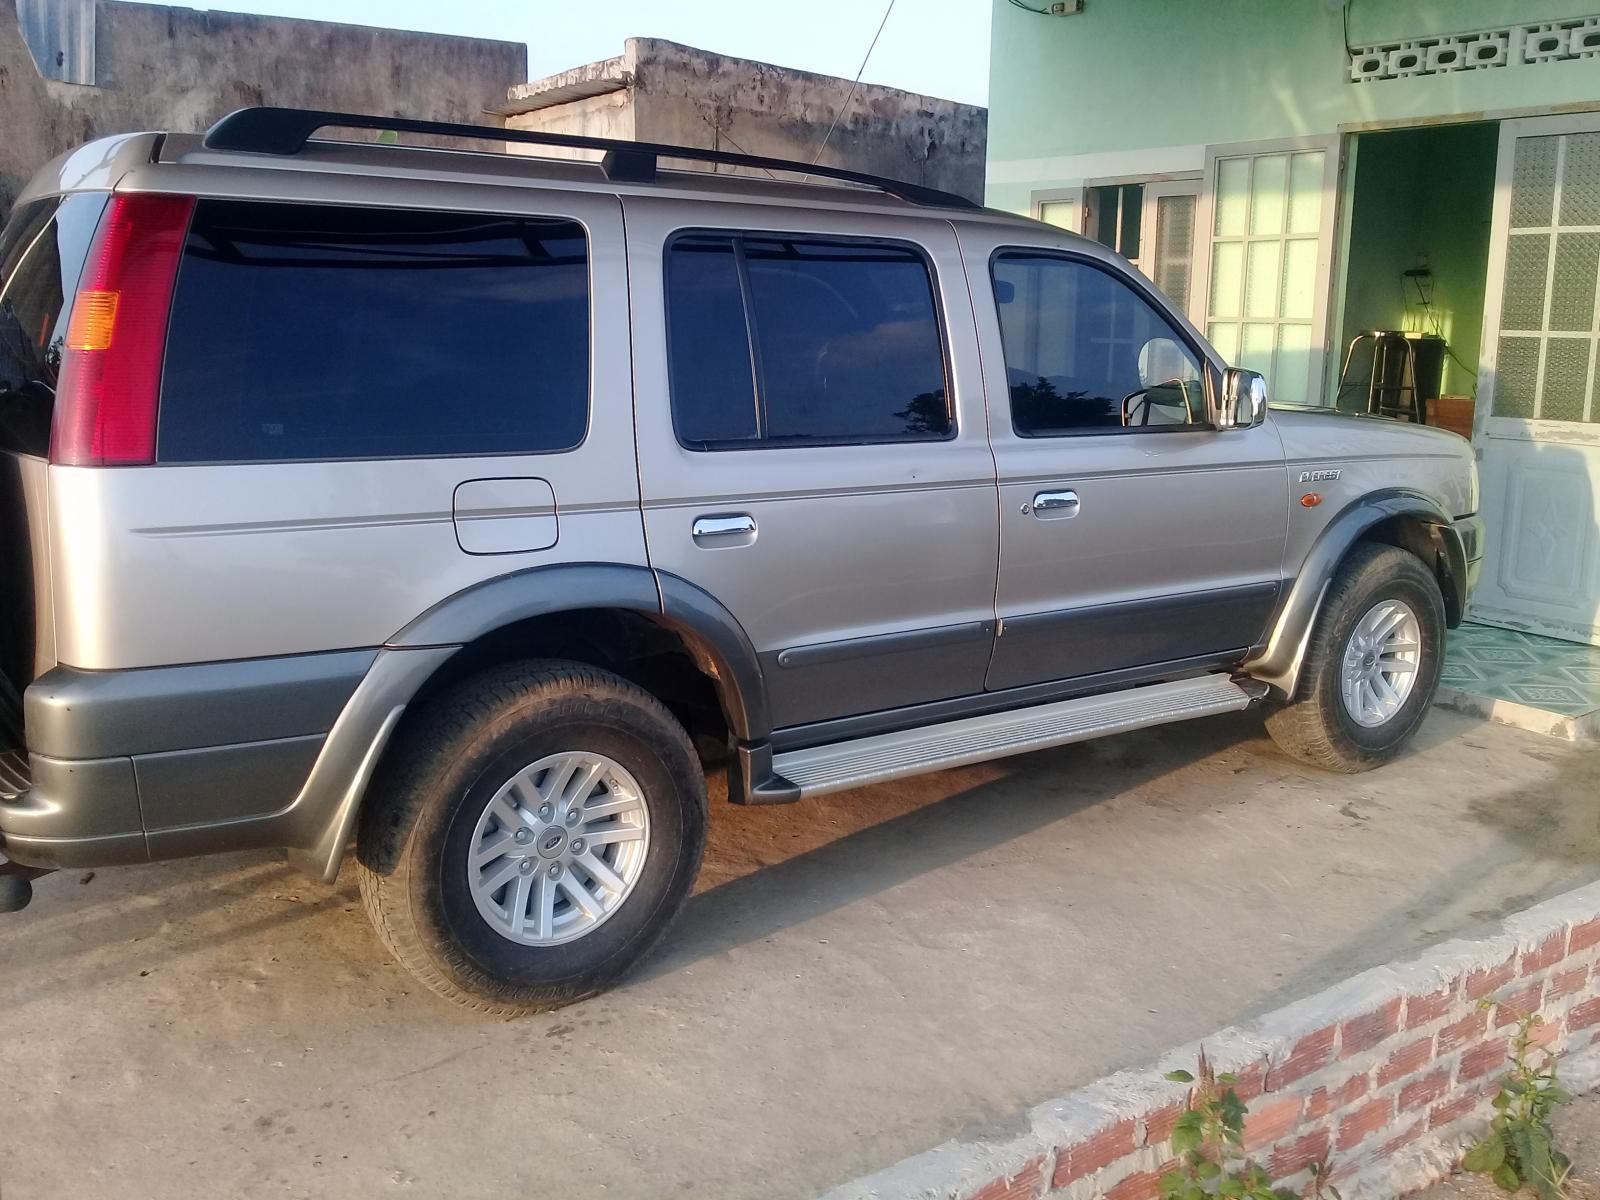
x=1519 y=1148
x=1208 y=1142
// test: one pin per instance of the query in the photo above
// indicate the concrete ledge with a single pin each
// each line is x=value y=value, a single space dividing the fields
x=1384 y=1079
x=1520 y=716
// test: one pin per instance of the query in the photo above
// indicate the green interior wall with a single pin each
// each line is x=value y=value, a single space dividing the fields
x=1422 y=192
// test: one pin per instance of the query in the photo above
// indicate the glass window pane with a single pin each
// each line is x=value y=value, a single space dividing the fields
x=1227 y=278
x=1267 y=194
x=1299 y=277
x=1233 y=200
x=1516 y=377
x=1291 y=367
x=1271 y=279
x=324 y=332
x=1174 y=246
x=1527 y=258
x=1224 y=336
x=1573 y=281
x=708 y=343
x=1060 y=213
x=1084 y=351
x=1107 y=214
x=1132 y=217
x=1533 y=181
x=1262 y=281
x=848 y=340
x=1580 y=180
x=1566 y=379
x=1305 y=191
x=1256 y=347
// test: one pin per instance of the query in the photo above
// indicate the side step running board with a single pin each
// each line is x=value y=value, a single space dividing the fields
x=840 y=765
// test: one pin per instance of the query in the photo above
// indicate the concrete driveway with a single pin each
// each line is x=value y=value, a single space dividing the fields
x=859 y=978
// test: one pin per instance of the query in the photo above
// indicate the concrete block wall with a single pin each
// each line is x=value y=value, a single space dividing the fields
x=1383 y=1080
x=683 y=96
x=180 y=69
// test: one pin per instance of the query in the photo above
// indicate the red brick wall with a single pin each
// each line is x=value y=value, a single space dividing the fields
x=1383 y=1079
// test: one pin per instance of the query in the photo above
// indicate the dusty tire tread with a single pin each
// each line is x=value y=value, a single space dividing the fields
x=1309 y=728
x=441 y=736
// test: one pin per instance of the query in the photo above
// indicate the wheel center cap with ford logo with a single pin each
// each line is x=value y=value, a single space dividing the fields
x=552 y=842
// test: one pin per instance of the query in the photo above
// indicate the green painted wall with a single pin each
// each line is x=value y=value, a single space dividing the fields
x=1422 y=193
x=1130 y=74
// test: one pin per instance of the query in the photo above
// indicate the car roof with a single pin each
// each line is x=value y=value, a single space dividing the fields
x=142 y=161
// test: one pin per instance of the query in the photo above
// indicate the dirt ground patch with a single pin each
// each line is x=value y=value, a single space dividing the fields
x=859 y=977
x=1577 y=1129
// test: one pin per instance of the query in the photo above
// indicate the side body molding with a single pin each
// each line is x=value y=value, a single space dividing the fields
x=324 y=814
x=1279 y=661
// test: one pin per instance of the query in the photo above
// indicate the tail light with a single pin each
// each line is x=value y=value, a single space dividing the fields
x=110 y=382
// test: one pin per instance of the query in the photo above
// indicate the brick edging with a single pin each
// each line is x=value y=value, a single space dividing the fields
x=1385 y=1078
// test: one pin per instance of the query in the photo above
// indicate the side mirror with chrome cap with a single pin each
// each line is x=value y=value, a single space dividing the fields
x=1244 y=400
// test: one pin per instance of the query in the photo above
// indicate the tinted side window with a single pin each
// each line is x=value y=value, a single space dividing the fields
x=713 y=385
x=42 y=253
x=1085 y=352
x=321 y=332
x=794 y=340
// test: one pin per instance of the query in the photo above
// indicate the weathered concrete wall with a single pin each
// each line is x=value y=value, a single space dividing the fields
x=608 y=116
x=689 y=97
x=181 y=69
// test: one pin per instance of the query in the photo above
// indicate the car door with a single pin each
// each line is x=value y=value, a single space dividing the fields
x=812 y=445
x=1135 y=538
x=1538 y=396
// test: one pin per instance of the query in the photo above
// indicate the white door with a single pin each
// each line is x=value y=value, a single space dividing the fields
x=1268 y=213
x=1170 y=208
x=1538 y=426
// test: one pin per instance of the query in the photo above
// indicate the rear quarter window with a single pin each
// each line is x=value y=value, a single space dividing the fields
x=306 y=332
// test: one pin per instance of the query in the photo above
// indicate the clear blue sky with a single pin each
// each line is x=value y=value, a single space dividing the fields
x=938 y=47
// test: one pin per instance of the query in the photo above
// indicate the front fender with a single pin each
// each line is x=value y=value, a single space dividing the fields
x=1278 y=663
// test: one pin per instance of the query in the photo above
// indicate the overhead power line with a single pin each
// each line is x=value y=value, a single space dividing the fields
x=855 y=83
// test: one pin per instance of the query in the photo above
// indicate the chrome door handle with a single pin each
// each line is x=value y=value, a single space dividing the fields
x=1050 y=505
x=725 y=529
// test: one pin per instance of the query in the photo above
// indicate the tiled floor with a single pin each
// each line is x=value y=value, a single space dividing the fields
x=1558 y=677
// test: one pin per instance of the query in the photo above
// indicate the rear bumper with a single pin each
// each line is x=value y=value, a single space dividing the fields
x=125 y=766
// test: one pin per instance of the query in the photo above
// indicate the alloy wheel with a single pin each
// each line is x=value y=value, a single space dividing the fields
x=558 y=848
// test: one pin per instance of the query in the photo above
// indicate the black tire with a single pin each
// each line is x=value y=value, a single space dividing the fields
x=1316 y=726
x=418 y=822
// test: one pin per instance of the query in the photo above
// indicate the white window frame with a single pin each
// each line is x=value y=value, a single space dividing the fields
x=1154 y=191
x=1327 y=233
x=1485 y=423
x=1077 y=195
x=1158 y=183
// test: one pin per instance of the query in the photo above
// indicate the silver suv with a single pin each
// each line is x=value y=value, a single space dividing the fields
x=467 y=505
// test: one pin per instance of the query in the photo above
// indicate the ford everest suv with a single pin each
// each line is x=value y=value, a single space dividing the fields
x=466 y=505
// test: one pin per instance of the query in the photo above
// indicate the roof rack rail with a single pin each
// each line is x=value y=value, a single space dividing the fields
x=287 y=130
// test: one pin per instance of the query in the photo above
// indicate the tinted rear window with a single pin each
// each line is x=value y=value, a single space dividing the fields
x=800 y=340
x=320 y=332
x=42 y=252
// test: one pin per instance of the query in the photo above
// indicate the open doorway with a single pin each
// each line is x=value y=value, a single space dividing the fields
x=1416 y=264
x=1478 y=243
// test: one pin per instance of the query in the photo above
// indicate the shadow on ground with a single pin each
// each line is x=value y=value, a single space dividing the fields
x=859 y=976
